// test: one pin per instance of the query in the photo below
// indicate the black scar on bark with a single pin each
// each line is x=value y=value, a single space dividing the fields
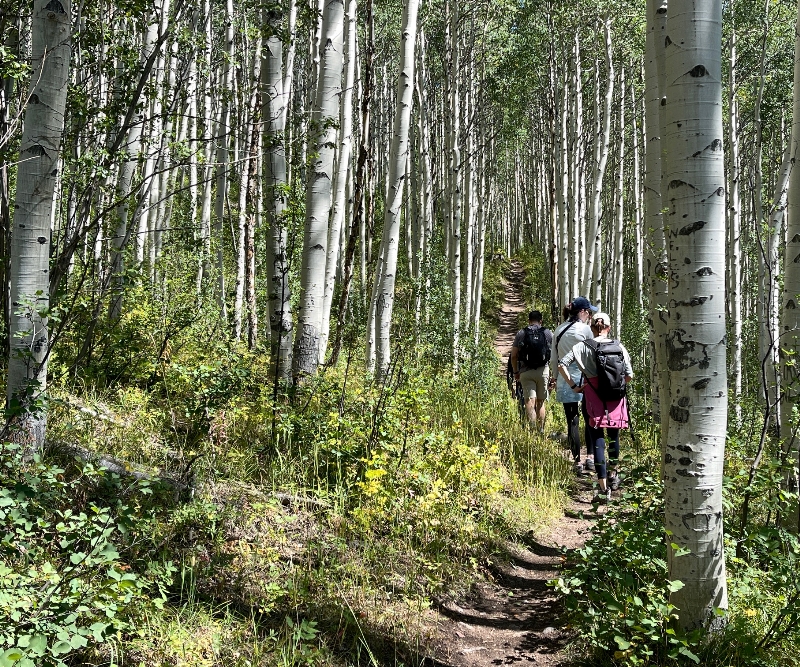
x=687 y=473
x=796 y=260
x=667 y=41
x=697 y=71
x=34 y=99
x=679 y=415
x=55 y=6
x=701 y=384
x=661 y=10
x=690 y=229
x=711 y=521
x=668 y=458
x=684 y=448
x=694 y=301
x=685 y=461
x=678 y=183
x=705 y=271
x=42 y=240
x=36 y=150
x=713 y=146
x=796 y=238
x=680 y=353
x=686 y=260
x=790 y=304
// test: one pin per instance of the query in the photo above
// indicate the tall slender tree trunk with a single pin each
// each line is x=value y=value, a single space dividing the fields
x=342 y=173
x=385 y=281
x=697 y=337
x=594 y=255
x=318 y=193
x=40 y=147
x=790 y=325
x=275 y=97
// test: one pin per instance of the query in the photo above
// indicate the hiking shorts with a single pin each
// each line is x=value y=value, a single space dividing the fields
x=534 y=383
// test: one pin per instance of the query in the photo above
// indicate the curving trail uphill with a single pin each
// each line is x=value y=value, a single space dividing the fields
x=513 y=616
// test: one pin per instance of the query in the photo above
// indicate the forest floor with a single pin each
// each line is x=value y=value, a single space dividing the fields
x=513 y=616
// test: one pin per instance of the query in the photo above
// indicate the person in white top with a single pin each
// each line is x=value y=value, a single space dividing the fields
x=602 y=431
x=565 y=337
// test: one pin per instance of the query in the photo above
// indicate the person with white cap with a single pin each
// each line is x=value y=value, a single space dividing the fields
x=568 y=334
x=606 y=368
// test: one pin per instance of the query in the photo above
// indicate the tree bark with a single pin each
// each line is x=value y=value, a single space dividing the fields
x=696 y=338
x=318 y=193
x=40 y=146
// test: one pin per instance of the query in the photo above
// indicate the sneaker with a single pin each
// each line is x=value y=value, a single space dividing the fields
x=588 y=464
x=602 y=497
x=614 y=482
x=578 y=468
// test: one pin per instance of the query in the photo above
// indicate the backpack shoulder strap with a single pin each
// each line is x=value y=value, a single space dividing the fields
x=563 y=331
x=592 y=344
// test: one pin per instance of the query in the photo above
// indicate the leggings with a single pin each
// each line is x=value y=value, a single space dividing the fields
x=573 y=429
x=599 y=438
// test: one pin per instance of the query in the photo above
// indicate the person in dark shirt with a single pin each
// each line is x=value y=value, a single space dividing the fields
x=534 y=380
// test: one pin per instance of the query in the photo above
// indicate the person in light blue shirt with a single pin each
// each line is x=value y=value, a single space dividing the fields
x=565 y=337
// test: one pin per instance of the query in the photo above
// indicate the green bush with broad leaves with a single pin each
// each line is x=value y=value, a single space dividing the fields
x=617 y=587
x=63 y=584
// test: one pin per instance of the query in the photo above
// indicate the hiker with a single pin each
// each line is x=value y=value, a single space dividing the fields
x=529 y=356
x=606 y=368
x=567 y=335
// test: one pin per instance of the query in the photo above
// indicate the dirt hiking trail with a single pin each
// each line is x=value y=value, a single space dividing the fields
x=513 y=616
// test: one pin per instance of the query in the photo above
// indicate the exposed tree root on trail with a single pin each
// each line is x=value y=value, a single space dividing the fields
x=513 y=616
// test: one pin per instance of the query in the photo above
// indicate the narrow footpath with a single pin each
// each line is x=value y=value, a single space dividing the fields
x=513 y=616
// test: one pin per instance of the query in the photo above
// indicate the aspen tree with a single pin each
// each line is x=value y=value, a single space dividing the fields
x=249 y=150
x=342 y=173
x=455 y=177
x=318 y=193
x=656 y=256
x=223 y=140
x=360 y=181
x=40 y=146
x=618 y=259
x=275 y=99
x=591 y=284
x=637 y=203
x=696 y=337
x=790 y=315
x=734 y=260
x=397 y=177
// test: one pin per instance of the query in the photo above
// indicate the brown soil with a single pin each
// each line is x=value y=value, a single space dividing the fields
x=512 y=615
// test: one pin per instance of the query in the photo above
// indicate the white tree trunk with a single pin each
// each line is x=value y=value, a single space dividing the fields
x=40 y=146
x=617 y=278
x=223 y=138
x=696 y=338
x=735 y=234
x=276 y=99
x=385 y=281
x=341 y=177
x=790 y=326
x=656 y=257
x=594 y=256
x=318 y=192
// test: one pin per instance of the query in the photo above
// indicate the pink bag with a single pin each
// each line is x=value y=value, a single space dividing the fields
x=604 y=414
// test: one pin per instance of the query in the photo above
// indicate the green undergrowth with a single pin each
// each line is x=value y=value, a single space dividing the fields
x=616 y=588
x=318 y=528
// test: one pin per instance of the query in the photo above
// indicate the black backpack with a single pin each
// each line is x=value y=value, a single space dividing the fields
x=610 y=363
x=535 y=352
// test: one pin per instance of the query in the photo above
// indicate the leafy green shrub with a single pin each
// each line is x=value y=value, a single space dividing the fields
x=617 y=588
x=63 y=584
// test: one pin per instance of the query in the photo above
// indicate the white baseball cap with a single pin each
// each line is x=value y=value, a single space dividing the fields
x=602 y=317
